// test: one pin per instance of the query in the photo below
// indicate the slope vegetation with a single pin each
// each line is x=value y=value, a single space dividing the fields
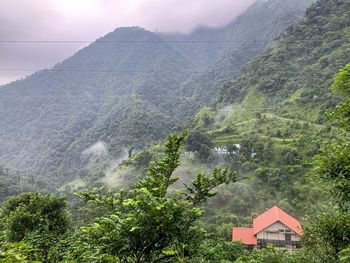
x=269 y=122
x=127 y=89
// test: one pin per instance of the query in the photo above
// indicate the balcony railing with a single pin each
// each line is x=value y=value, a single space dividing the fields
x=279 y=243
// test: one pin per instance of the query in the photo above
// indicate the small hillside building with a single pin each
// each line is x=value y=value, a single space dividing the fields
x=274 y=227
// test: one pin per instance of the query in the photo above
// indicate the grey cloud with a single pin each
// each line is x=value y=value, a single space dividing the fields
x=184 y=15
x=90 y=19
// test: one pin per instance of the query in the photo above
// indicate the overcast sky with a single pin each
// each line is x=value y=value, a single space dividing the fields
x=90 y=19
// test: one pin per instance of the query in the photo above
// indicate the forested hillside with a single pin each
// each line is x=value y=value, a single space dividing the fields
x=276 y=133
x=149 y=222
x=275 y=113
x=250 y=34
x=127 y=89
x=108 y=91
x=302 y=63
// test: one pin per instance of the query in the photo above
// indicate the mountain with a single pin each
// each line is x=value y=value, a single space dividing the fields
x=276 y=110
x=302 y=63
x=127 y=89
x=51 y=117
x=246 y=37
x=268 y=123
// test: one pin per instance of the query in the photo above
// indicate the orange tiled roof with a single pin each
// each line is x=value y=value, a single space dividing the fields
x=245 y=235
x=274 y=215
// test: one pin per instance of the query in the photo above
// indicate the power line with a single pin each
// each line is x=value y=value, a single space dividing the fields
x=131 y=41
x=93 y=70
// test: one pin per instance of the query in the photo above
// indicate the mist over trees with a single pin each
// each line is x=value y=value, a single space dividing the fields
x=130 y=87
x=267 y=127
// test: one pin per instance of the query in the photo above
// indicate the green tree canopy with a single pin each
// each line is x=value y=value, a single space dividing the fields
x=330 y=233
x=333 y=164
x=37 y=219
x=148 y=223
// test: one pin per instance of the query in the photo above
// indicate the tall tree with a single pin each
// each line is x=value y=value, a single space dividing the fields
x=148 y=223
x=329 y=234
x=333 y=164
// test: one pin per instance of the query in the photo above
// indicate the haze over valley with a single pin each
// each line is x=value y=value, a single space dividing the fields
x=165 y=131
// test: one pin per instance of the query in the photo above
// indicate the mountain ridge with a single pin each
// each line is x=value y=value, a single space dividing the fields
x=268 y=123
x=51 y=117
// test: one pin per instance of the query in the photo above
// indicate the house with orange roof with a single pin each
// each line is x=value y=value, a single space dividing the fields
x=274 y=227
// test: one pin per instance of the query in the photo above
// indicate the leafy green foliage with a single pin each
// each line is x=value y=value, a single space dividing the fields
x=17 y=253
x=272 y=255
x=195 y=141
x=332 y=231
x=333 y=168
x=212 y=251
x=329 y=233
x=148 y=223
x=200 y=144
x=344 y=255
x=333 y=163
x=37 y=219
x=342 y=86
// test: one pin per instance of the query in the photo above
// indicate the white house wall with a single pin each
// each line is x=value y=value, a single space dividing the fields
x=273 y=233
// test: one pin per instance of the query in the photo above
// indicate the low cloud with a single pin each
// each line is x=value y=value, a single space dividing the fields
x=97 y=154
x=90 y=19
x=114 y=177
x=99 y=149
x=222 y=114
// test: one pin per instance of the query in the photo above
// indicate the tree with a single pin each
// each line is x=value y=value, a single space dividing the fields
x=195 y=141
x=331 y=232
x=274 y=178
x=333 y=163
x=328 y=235
x=204 y=152
x=147 y=223
x=130 y=152
x=341 y=114
x=213 y=251
x=290 y=156
x=37 y=219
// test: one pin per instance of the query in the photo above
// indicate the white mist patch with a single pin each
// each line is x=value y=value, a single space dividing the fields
x=223 y=113
x=187 y=171
x=112 y=178
x=98 y=149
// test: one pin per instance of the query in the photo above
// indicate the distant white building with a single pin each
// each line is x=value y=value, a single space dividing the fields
x=223 y=150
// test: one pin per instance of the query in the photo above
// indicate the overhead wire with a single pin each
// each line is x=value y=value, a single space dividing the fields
x=9 y=41
x=131 y=41
x=94 y=70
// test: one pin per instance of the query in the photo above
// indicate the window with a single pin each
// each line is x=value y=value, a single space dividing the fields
x=288 y=237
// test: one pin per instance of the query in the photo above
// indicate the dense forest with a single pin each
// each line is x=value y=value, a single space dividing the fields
x=257 y=124
x=148 y=223
x=128 y=89
x=275 y=110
